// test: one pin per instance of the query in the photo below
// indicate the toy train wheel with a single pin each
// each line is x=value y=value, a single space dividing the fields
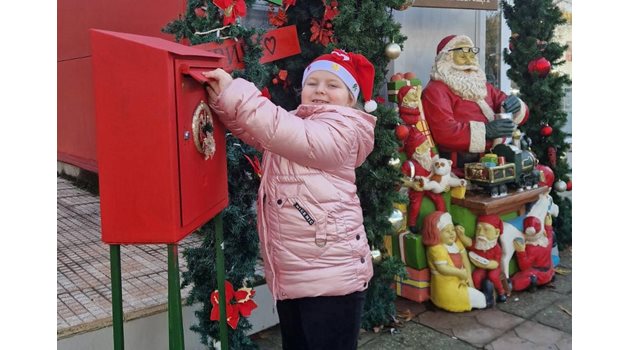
x=494 y=191
x=503 y=190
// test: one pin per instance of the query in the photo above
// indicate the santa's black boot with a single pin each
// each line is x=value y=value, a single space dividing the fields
x=488 y=291
x=413 y=229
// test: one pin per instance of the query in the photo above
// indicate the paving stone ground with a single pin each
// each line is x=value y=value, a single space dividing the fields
x=539 y=320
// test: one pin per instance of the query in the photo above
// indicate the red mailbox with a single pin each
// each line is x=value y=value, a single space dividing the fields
x=161 y=153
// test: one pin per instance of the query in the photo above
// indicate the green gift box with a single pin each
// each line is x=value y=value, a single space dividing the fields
x=412 y=251
x=394 y=86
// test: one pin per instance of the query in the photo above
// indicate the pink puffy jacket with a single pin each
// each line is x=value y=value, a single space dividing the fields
x=310 y=222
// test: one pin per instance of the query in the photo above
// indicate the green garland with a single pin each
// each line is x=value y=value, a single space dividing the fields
x=533 y=23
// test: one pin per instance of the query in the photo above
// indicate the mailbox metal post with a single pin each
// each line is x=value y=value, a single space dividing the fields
x=117 y=308
x=175 y=323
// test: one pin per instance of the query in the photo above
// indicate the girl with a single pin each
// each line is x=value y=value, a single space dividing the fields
x=312 y=240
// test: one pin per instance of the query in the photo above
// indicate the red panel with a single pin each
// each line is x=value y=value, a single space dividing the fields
x=76 y=17
x=138 y=98
x=76 y=136
x=76 y=130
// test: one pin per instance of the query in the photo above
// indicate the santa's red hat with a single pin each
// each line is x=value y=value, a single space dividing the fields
x=449 y=42
x=531 y=225
x=493 y=220
x=414 y=140
x=356 y=71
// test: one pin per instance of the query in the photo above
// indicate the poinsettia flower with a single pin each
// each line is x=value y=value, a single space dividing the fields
x=214 y=299
x=331 y=11
x=231 y=9
x=277 y=19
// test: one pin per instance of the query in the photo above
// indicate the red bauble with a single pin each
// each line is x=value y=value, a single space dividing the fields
x=402 y=131
x=546 y=130
x=539 y=67
x=569 y=185
x=546 y=175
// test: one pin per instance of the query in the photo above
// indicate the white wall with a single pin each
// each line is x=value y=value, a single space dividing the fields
x=151 y=332
x=425 y=27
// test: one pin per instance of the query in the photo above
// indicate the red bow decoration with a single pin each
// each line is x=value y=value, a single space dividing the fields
x=231 y=9
x=242 y=305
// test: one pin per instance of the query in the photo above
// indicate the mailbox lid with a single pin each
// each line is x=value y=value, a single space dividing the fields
x=203 y=178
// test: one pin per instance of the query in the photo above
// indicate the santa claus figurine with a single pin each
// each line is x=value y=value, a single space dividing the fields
x=485 y=254
x=462 y=109
x=533 y=256
x=418 y=165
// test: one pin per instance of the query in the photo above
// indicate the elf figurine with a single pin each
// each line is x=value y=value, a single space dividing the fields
x=485 y=254
x=410 y=109
x=419 y=155
x=533 y=256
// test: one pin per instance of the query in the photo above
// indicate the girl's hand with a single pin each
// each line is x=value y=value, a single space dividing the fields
x=218 y=80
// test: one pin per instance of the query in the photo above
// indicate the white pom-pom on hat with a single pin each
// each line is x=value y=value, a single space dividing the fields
x=370 y=106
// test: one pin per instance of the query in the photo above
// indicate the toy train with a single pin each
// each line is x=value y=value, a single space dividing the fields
x=518 y=170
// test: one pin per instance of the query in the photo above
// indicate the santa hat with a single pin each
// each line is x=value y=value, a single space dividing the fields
x=352 y=68
x=493 y=220
x=450 y=41
x=531 y=225
x=414 y=140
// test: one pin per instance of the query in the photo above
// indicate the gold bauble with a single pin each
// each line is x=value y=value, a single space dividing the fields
x=397 y=219
x=376 y=256
x=392 y=51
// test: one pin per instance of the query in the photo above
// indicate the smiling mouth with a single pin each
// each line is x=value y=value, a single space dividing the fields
x=320 y=102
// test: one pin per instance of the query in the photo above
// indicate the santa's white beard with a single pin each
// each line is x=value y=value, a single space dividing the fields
x=424 y=160
x=467 y=85
x=482 y=243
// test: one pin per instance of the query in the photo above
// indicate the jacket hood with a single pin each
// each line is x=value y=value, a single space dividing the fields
x=364 y=122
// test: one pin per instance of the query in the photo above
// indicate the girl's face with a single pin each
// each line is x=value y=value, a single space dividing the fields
x=447 y=235
x=322 y=87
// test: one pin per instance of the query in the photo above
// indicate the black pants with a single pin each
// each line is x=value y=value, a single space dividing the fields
x=321 y=323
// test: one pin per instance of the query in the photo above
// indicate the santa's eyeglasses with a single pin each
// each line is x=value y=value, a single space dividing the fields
x=474 y=50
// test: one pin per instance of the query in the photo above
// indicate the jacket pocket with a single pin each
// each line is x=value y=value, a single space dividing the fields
x=303 y=228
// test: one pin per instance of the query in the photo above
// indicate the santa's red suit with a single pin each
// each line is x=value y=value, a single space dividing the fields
x=535 y=260
x=494 y=275
x=450 y=116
